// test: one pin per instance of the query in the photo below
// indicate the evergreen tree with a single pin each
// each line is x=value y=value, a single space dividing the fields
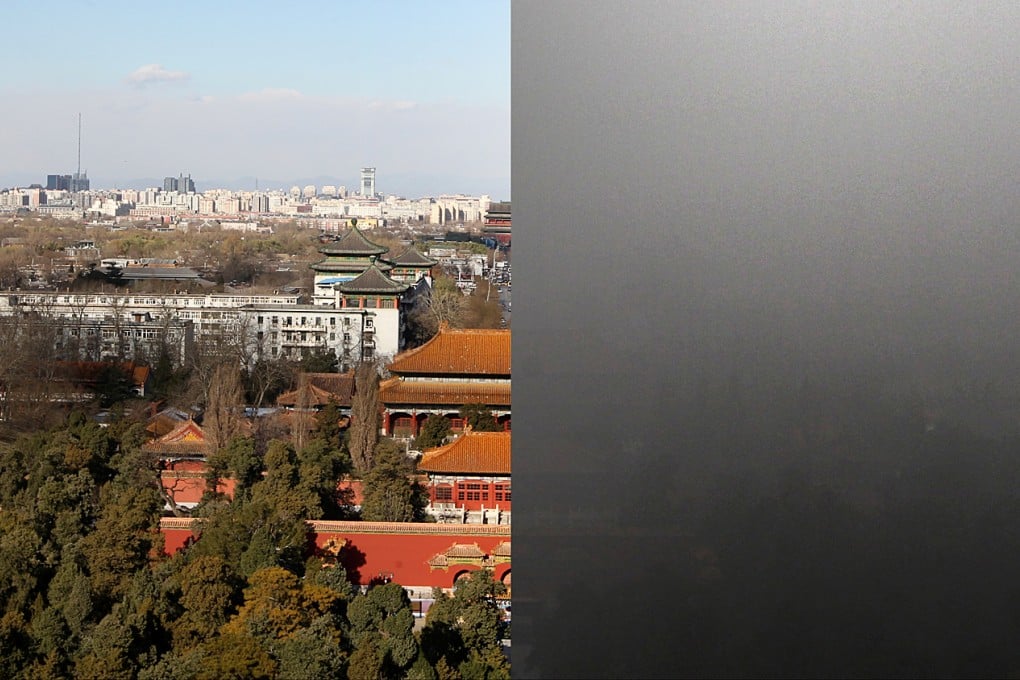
x=465 y=629
x=479 y=418
x=320 y=466
x=209 y=594
x=433 y=432
x=389 y=495
x=363 y=434
x=381 y=621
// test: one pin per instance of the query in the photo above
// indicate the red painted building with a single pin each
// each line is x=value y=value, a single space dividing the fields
x=469 y=479
x=497 y=223
x=455 y=367
x=184 y=483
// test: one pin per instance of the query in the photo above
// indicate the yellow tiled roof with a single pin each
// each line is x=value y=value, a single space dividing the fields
x=454 y=393
x=470 y=351
x=186 y=438
x=486 y=453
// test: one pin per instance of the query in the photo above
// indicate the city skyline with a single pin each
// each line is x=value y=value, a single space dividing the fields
x=286 y=95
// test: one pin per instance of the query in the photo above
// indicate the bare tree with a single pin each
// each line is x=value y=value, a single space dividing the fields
x=77 y=348
x=301 y=421
x=28 y=371
x=445 y=303
x=364 y=431
x=118 y=310
x=11 y=258
x=224 y=405
x=224 y=345
x=167 y=340
x=268 y=375
x=12 y=361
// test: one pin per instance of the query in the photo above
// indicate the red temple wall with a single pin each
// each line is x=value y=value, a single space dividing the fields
x=379 y=551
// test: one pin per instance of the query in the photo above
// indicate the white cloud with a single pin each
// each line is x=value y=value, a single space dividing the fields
x=271 y=94
x=154 y=73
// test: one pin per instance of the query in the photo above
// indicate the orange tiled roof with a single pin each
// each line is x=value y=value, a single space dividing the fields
x=485 y=453
x=396 y=391
x=459 y=352
x=502 y=550
x=307 y=396
x=464 y=550
x=187 y=439
x=320 y=389
x=91 y=372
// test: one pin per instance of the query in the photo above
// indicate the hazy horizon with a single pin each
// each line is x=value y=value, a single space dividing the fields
x=428 y=186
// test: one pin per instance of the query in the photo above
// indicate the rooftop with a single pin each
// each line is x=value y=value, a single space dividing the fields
x=482 y=453
x=458 y=352
x=411 y=257
x=353 y=242
x=319 y=389
x=168 y=273
x=372 y=280
x=395 y=391
x=187 y=439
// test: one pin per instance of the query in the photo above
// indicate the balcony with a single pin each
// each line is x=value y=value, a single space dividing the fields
x=310 y=342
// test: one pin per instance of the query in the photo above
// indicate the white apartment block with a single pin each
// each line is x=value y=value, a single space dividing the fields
x=359 y=324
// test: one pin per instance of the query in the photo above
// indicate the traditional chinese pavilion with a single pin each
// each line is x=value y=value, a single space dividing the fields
x=469 y=479
x=182 y=454
x=346 y=258
x=316 y=390
x=454 y=368
x=186 y=441
x=410 y=266
x=497 y=222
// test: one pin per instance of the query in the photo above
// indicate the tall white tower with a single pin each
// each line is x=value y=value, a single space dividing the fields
x=368 y=182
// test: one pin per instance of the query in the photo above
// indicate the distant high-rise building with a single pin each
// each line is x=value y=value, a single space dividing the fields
x=181 y=184
x=80 y=181
x=58 y=182
x=368 y=182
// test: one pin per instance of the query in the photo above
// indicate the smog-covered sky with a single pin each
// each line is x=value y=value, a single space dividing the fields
x=791 y=184
x=766 y=379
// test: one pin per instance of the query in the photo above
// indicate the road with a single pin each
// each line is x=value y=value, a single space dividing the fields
x=504 y=301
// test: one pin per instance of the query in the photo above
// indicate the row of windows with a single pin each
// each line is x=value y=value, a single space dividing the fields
x=304 y=321
x=475 y=496
x=147 y=333
x=445 y=493
x=370 y=303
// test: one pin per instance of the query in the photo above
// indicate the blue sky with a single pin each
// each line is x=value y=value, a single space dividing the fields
x=280 y=91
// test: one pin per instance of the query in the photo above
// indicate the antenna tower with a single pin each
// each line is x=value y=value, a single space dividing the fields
x=78 y=173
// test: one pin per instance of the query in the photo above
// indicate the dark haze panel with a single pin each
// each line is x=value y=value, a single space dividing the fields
x=766 y=379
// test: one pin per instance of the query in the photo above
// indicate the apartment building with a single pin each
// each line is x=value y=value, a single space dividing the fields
x=101 y=325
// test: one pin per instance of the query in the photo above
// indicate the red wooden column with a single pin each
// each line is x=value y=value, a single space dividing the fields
x=386 y=423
